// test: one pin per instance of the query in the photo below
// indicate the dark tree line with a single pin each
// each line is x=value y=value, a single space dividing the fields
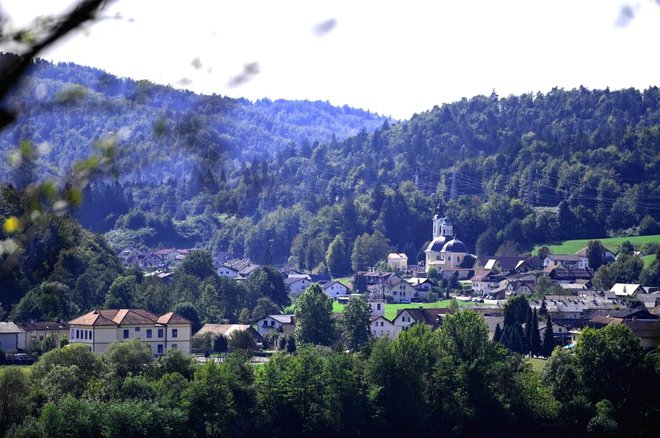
x=451 y=381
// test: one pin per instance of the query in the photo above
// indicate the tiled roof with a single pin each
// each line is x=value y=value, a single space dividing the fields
x=93 y=318
x=645 y=329
x=9 y=328
x=481 y=275
x=173 y=318
x=126 y=317
x=564 y=257
x=624 y=289
x=222 y=329
x=282 y=319
x=427 y=316
x=43 y=325
x=332 y=283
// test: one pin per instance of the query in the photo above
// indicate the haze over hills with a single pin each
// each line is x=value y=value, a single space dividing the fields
x=160 y=129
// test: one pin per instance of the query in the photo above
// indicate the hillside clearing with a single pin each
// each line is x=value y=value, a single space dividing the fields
x=611 y=243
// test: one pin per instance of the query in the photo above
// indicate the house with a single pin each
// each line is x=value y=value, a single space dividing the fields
x=561 y=332
x=487 y=280
x=132 y=256
x=335 y=289
x=10 y=337
x=164 y=276
x=372 y=278
x=151 y=261
x=406 y=318
x=566 y=260
x=173 y=256
x=397 y=261
x=422 y=287
x=608 y=256
x=296 y=284
x=401 y=291
x=246 y=270
x=492 y=322
x=642 y=323
x=521 y=284
x=37 y=331
x=382 y=327
x=227 y=271
x=227 y=330
x=101 y=328
x=321 y=279
x=275 y=323
x=504 y=264
x=627 y=290
x=562 y=274
x=395 y=289
x=237 y=269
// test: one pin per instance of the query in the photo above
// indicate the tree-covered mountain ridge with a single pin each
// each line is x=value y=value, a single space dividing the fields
x=160 y=129
x=511 y=172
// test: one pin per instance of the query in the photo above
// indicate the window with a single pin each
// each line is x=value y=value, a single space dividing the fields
x=137 y=329
x=265 y=324
x=160 y=333
x=378 y=306
x=125 y=333
x=77 y=334
x=90 y=335
x=175 y=333
x=160 y=349
x=149 y=333
x=272 y=323
x=174 y=347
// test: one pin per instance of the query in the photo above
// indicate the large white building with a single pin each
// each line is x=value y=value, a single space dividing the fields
x=447 y=254
x=101 y=328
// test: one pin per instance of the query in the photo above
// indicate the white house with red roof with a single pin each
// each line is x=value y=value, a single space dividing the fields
x=101 y=328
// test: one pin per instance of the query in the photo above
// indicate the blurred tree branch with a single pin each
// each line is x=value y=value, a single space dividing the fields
x=54 y=29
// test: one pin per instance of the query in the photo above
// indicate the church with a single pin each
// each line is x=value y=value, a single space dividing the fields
x=446 y=253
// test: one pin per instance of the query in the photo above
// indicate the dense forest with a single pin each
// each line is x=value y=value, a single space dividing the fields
x=511 y=172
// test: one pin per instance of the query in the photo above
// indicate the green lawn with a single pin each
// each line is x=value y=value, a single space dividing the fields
x=24 y=368
x=573 y=246
x=537 y=364
x=391 y=309
x=648 y=259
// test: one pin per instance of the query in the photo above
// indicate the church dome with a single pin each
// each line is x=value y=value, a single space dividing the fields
x=437 y=244
x=455 y=245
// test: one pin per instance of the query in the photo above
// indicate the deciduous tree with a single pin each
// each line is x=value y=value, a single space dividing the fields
x=313 y=316
x=355 y=324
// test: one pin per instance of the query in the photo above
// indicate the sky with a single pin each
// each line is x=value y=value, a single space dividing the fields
x=395 y=58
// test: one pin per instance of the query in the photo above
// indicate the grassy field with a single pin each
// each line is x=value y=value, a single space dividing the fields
x=573 y=246
x=391 y=309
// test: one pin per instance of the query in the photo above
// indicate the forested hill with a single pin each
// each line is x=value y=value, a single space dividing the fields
x=510 y=171
x=161 y=130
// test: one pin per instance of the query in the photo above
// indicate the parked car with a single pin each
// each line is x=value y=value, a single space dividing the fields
x=20 y=359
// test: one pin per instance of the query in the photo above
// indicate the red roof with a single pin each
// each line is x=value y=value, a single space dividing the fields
x=127 y=317
x=172 y=318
